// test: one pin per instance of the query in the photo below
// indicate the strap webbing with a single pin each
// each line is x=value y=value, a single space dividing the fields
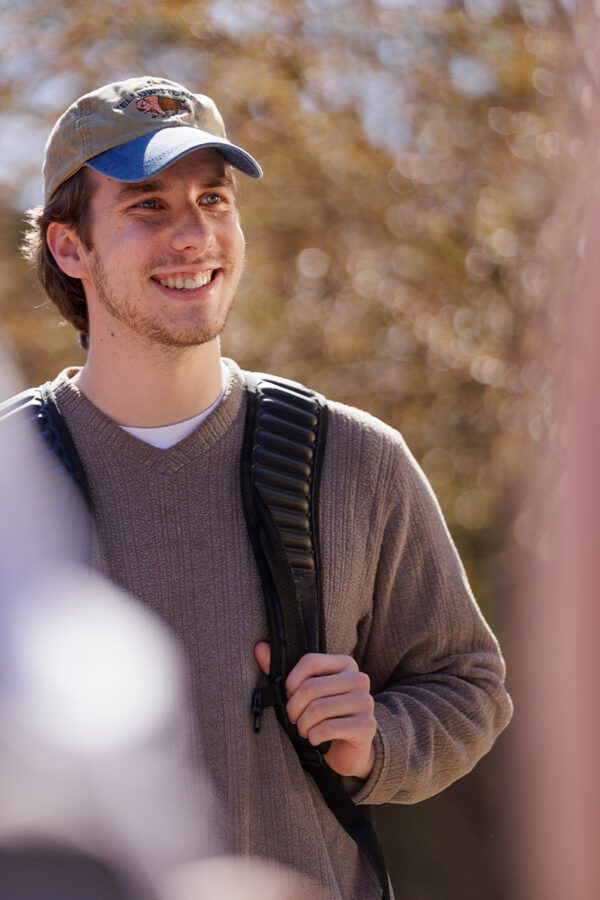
x=356 y=820
x=58 y=437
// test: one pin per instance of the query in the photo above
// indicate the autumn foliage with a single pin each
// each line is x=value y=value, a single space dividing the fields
x=398 y=247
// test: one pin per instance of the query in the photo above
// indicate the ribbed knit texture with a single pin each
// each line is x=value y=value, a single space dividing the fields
x=170 y=528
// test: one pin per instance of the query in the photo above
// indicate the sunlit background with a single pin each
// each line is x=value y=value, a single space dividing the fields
x=400 y=252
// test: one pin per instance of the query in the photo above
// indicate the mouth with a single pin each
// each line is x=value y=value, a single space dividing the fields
x=187 y=285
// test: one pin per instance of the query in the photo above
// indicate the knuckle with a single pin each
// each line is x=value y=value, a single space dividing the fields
x=314 y=736
x=304 y=694
x=319 y=706
x=370 y=725
x=301 y=728
x=363 y=681
x=366 y=723
x=289 y=684
x=363 y=708
x=311 y=690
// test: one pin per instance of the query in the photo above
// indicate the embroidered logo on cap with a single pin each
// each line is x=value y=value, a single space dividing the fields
x=160 y=106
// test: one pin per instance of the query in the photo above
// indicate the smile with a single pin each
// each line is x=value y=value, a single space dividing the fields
x=185 y=281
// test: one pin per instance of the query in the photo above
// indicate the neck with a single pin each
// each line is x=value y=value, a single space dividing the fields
x=150 y=388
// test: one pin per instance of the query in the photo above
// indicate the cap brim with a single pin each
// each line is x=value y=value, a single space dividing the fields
x=145 y=156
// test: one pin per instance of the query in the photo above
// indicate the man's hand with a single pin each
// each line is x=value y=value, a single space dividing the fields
x=330 y=700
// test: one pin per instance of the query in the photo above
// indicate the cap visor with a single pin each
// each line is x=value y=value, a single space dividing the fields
x=147 y=155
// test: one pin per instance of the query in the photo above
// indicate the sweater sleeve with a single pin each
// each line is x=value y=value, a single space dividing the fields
x=436 y=669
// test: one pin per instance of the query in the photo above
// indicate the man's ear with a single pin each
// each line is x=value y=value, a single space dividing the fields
x=65 y=247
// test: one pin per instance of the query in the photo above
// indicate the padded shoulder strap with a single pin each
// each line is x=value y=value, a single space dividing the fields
x=281 y=467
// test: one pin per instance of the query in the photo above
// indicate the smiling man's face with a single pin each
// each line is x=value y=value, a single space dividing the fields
x=167 y=254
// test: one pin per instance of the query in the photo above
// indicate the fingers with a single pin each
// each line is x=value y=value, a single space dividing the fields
x=318 y=664
x=262 y=652
x=354 y=730
x=317 y=688
x=331 y=700
x=344 y=717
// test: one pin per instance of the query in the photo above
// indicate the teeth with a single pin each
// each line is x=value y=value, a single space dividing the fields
x=187 y=283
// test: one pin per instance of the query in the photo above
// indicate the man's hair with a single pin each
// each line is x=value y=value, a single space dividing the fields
x=69 y=205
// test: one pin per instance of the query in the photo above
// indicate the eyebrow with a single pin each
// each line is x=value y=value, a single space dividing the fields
x=154 y=187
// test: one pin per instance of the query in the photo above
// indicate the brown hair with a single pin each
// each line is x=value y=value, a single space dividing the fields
x=70 y=205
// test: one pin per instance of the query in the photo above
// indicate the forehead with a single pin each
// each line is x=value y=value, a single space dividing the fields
x=200 y=168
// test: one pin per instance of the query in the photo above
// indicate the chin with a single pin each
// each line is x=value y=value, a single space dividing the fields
x=191 y=336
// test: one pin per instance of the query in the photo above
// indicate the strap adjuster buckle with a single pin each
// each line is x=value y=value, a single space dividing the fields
x=271 y=694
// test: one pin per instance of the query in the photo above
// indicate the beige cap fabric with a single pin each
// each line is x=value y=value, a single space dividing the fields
x=152 y=120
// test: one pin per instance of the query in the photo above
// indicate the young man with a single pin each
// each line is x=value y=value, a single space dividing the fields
x=139 y=245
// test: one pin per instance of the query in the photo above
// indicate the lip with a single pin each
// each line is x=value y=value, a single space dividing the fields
x=184 y=296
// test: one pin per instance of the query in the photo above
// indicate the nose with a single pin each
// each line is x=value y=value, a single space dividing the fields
x=192 y=231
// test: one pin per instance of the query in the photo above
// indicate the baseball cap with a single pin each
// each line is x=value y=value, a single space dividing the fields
x=130 y=130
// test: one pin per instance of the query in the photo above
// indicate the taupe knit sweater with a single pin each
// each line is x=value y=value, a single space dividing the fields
x=170 y=528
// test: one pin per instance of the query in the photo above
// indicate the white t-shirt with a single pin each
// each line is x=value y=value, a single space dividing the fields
x=167 y=435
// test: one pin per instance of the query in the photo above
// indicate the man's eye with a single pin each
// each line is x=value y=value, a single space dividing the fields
x=212 y=199
x=148 y=204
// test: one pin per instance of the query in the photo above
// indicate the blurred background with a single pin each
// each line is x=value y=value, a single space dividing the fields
x=402 y=257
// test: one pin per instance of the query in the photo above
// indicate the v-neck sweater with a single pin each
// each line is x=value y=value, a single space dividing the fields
x=169 y=528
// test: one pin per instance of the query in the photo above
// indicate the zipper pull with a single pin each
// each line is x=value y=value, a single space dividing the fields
x=257 y=709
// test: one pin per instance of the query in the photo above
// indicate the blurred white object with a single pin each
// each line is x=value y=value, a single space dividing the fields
x=92 y=671
x=238 y=879
x=94 y=741
x=94 y=738
x=96 y=777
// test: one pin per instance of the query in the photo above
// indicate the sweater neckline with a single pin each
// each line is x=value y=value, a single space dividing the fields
x=90 y=425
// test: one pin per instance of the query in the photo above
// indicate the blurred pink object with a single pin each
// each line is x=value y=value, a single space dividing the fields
x=557 y=617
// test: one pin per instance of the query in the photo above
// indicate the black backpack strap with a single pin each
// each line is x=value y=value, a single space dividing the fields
x=355 y=820
x=58 y=437
x=285 y=429
x=282 y=456
x=52 y=464
x=37 y=407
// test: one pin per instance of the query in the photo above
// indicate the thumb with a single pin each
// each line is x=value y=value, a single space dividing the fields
x=262 y=652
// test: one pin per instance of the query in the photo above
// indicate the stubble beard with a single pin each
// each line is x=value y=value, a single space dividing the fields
x=149 y=327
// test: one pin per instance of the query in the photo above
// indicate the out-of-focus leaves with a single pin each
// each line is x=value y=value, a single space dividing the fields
x=396 y=245
x=399 y=245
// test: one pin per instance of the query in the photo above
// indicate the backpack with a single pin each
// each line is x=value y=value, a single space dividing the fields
x=284 y=442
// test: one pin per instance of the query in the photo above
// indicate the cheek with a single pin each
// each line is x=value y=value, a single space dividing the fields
x=132 y=250
x=239 y=242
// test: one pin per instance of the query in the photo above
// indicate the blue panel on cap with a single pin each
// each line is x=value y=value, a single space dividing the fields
x=147 y=155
